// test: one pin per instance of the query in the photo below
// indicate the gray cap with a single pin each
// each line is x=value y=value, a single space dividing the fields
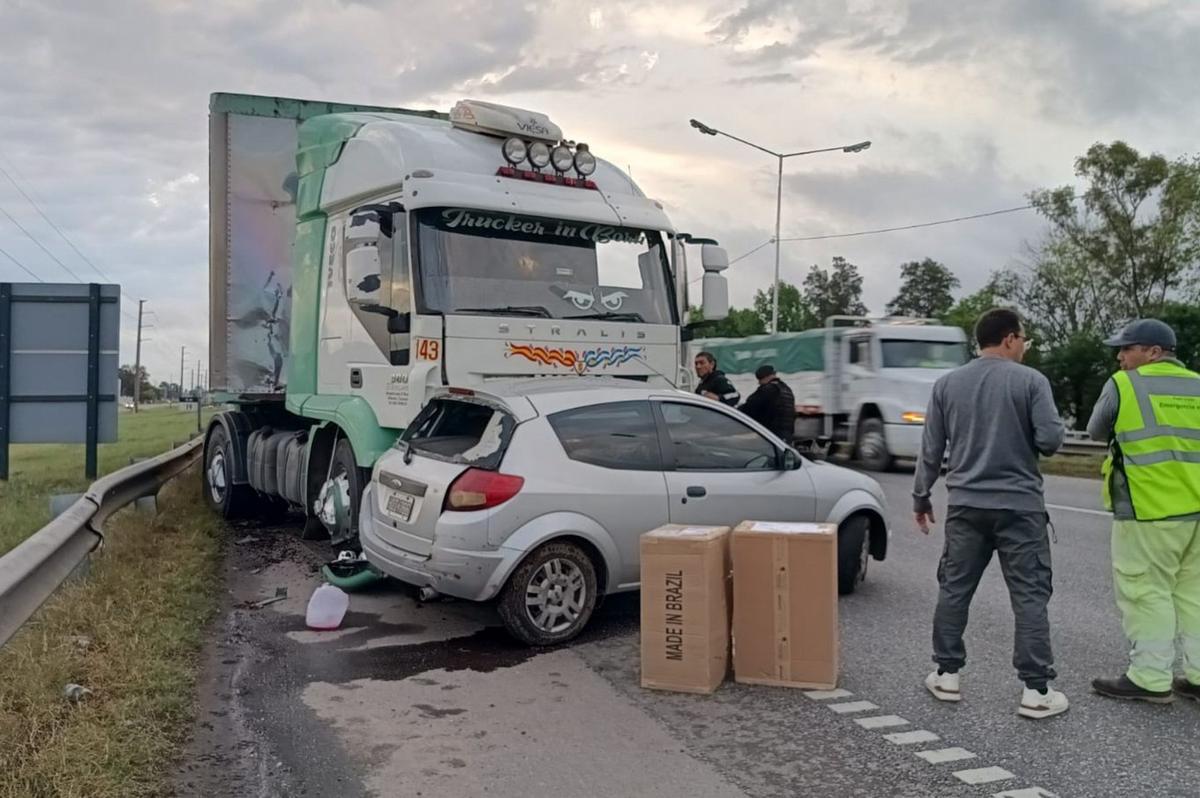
x=1144 y=332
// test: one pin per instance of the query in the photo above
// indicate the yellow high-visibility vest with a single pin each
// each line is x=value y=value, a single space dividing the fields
x=1157 y=441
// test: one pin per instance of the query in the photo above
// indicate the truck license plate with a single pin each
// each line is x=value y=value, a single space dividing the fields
x=401 y=506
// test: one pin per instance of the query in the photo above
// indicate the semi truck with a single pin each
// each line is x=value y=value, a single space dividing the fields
x=363 y=258
x=858 y=381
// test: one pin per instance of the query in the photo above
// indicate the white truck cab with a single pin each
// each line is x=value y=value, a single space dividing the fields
x=864 y=382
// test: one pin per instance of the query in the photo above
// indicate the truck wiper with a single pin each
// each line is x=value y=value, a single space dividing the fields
x=611 y=316
x=511 y=310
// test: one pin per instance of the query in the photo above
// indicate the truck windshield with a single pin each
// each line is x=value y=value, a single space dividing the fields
x=486 y=262
x=923 y=354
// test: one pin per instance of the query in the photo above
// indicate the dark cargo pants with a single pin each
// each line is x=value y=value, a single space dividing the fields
x=1023 y=546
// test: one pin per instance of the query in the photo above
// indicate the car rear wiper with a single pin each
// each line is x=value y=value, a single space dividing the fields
x=606 y=316
x=512 y=310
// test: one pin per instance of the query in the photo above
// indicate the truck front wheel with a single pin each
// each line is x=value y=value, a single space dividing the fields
x=341 y=495
x=872 y=446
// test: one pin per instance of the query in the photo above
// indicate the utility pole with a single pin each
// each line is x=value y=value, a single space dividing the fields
x=137 y=362
x=199 y=377
x=182 y=349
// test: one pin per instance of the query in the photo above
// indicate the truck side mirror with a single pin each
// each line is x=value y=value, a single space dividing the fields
x=715 y=288
x=400 y=324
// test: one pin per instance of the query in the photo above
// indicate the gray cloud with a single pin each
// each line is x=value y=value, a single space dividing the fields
x=578 y=71
x=761 y=80
x=1075 y=56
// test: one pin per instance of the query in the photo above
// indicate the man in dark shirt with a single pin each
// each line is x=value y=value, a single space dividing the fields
x=773 y=405
x=713 y=382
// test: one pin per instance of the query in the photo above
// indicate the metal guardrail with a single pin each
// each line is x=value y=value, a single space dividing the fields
x=31 y=572
x=1083 y=446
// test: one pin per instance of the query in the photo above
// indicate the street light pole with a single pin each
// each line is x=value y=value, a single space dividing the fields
x=712 y=131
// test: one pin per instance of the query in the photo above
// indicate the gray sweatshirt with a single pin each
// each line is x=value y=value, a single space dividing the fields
x=996 y=417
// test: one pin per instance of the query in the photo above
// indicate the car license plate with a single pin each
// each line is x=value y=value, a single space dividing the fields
x=401 y=506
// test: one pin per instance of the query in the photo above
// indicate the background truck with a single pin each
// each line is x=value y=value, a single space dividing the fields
x=362 y=258
x=859 y=381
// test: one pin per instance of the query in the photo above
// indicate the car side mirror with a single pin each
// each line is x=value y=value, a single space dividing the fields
x=790 y=461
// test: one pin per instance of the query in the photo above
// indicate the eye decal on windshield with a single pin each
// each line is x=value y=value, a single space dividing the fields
x=579 y=299
x=614 y=300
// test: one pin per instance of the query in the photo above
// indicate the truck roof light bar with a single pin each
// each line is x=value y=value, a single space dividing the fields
x=540 y=177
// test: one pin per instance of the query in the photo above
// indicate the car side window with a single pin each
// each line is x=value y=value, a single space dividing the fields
x=614 y=435
x=703 y=439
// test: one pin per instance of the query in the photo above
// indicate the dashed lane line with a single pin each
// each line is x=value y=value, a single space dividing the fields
x=983 y=775
x=1084 y=510
x=852 y=706
x=939 y=756
x=912 y=737
x=881 y=722
x=917 y=737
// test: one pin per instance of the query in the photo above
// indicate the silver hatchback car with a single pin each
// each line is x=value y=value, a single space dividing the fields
x=538 y=494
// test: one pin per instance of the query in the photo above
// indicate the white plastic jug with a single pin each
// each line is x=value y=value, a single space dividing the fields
x=326 y=608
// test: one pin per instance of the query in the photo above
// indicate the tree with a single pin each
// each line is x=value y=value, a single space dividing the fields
x=738 y=324
x=1135 y=229
x=837 y=292
x=125 y=375
x=926 y=290
x=792 y=311
x=998 y=292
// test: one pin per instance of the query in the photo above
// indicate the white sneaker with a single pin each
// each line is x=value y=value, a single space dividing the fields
x=1038 y=705
x=944 y=686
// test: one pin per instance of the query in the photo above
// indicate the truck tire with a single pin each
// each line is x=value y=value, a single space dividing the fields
x=853 y=553
x=872 y=447
x=220 y=493
x=344 y=466
x=560 y=580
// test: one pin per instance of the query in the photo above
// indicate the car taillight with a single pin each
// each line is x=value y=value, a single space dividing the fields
x=477 y=489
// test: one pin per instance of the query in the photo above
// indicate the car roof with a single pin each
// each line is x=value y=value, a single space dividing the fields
x=551 y=396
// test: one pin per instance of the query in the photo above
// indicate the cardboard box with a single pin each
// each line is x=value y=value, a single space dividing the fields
x=685 y=608
x=785 y=623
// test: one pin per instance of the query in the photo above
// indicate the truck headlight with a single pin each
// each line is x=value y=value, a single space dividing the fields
x=539 y=155
x=585 y=162
x=514 y=150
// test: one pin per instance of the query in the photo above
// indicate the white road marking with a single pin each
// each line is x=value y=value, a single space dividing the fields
x=821 y=695
x=881 y=722
x=910 y=737
x=1028 y=792
x=1084 y=510
x=983 y=775
x=852 y=706
x=940 y=755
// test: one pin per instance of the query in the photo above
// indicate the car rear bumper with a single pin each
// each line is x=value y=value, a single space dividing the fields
x=474 y=575
x=904 y=440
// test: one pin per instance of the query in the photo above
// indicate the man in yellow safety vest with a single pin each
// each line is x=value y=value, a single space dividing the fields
x=1149 y=413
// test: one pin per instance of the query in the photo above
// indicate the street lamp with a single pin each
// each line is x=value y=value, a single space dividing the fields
x=712 y=131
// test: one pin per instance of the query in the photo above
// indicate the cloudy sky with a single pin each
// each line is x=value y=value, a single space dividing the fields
x=969 y=106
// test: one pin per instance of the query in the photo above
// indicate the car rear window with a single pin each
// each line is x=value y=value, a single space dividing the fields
x=461 y=431
x=615 y=435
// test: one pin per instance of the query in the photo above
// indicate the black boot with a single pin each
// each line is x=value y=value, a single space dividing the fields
x=1185 y=689
x=1123 y=688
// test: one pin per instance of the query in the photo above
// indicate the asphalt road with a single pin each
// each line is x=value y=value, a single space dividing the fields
x=433 y=700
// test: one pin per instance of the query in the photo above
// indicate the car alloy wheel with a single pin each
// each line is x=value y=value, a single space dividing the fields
x=555 y=596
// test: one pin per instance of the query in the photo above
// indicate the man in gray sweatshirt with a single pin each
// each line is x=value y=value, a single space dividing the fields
x=991 y=419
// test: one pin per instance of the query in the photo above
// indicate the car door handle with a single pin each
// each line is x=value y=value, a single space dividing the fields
x=696 y=492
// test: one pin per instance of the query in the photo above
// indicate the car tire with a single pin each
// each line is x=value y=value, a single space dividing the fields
x=853 y=553
x=562 y=578
x=229 y=500
x=872 y=448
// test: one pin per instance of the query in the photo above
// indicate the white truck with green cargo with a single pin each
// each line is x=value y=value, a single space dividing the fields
x=364 y=258
x=861 y=382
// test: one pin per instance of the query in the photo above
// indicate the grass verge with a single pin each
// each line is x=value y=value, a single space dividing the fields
x=38 y=471
x=1076 y=465
x=131 y=632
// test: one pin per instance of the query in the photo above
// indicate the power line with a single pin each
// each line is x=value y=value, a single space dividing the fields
x=53 y=257
x=21 y=266
x=909 y=226
x=56 y=228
